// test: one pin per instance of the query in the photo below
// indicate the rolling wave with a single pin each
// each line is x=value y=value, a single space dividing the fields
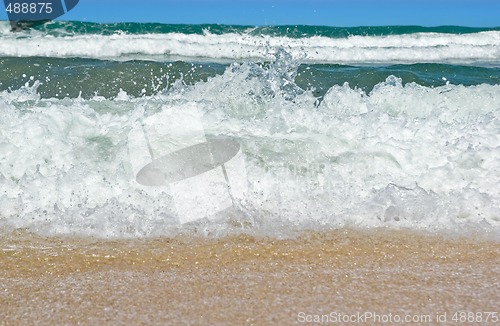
x=402 y=156
x=468 y=48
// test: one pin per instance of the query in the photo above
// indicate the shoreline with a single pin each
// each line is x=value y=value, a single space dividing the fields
x=245 y=279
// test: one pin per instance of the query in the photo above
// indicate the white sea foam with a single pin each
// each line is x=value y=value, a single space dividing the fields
x=481 y=47
x=401 y=156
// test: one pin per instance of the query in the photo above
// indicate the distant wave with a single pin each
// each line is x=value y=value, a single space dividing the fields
x=245 y=44
x=58 y=28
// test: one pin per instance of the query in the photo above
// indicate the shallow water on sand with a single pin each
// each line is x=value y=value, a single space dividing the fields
x=247 y=280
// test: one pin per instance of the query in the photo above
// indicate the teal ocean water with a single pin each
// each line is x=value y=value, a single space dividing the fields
x=57 y=28
x=394 y=126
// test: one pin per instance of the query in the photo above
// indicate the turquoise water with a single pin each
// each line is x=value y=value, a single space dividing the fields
x=366 y=127
x=69 y=77
x=66 y=60
x=72 y=28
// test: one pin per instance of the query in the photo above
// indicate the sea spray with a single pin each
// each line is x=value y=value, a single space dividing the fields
x=399 y=155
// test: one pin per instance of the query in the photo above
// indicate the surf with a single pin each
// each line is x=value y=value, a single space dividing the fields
x=230 y=44
x=401 y=156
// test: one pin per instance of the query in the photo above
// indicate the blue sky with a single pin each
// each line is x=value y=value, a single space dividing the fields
x=485 y=13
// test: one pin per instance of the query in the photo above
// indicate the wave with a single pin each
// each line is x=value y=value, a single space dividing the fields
x=399 y=156
x=71 y=28
x=470 y=48
x=74 y=77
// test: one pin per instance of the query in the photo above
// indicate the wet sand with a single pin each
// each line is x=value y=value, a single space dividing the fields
x=244 y=280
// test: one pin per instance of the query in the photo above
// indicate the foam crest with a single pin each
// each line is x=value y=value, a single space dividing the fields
x=401 y=156
x=407 y=48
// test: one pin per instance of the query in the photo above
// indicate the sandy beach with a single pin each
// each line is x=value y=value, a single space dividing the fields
x=371 y=277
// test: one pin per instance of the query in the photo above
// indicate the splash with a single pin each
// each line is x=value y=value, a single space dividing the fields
x=399 y=156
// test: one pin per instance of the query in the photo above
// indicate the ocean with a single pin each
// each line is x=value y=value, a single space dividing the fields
x=211 y=174
x=366 y=127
